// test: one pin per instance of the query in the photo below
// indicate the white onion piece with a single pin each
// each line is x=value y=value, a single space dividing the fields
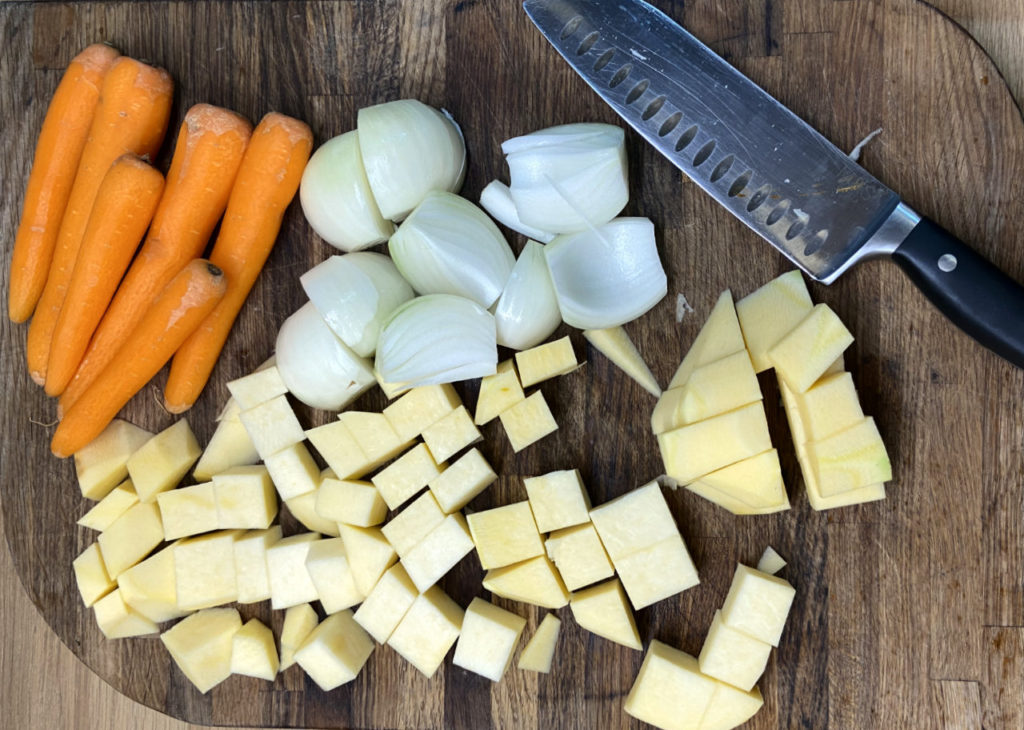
x=607 y=276
x=336 y=198
x=409 y=149
x=527 y=311
x=569 y=178
x=496 y=199
x=435 y=339
x=318 y=368
x=447 y=245
x=354 y=294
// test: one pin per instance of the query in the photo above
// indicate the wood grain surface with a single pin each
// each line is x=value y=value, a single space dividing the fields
x=908 y=612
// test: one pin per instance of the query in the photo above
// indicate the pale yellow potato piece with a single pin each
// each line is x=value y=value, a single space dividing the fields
x=118 y=501
x=528 y=421
x=102 y=464
x=451 y=434
x=498 y=392
x=201 y=645
x=803 y=355
x=505 y=535
x=339 y=448
x=532 y=581
x=229 y=446
x=245 y=498
x=299 y=622
x=91 y=575
x=756 y=482
x=579 y=556
x=539 y=652
x=131 y=537
x=720 y=336
x=369 y=555
x=733 y=657
x=464 y=479
x=718 y=387
x=697 y=449
x=670 y=692
x=730 y=707
x=118 y=621
x=615 y=344
x=150 y=588
x=391 y=390
x=251 y=563
x=558 y=499
x=304 y=510
x=850 y=459
x=161 y=462
x=405 y=476
x=654 y=573
x=352 y=502
x=204 y=570
x=428 y=630
x=272 y=426
x=421 y=407
x=604 y=610
x=257 y=387
x=633 y=521
x=546 y=361
x=438 y=552
x=758 y=604
x=405 y=530
x=253 y=653
x=488 y=639
x=831 y=405
x=375 y=435
x=293 y=471
x=188 y=511
x=770 y=313
x=387 y=603
x=290 y=583
x=328 y=567
x=771 y=562
x=335 y=651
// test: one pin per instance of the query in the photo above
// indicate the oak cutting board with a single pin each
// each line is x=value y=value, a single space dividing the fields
x=908 y=612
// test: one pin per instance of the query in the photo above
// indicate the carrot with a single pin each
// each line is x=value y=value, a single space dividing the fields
x=125 y=203
x=58 y=151
x=206 y=158
x=266 y=184
x=135 y=102
x=177 y=311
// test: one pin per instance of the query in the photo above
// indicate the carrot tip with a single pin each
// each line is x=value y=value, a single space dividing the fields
x=176 y=408
x=37 y=378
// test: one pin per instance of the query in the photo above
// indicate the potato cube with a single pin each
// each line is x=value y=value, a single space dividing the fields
x=335 y=651
x=405 y=530
x=352 y=502
x=770 y=313
x=720 y=336
x=257 y=387
x=118 y=621
x=733 y=657
x=428 y=630
x=498 y=392
x=539 y=651
x=505 y=535
x=831 y=405
x=91 y=575
x=118 y=501
x=488 y=639
x=406 y=475
x=293 y=471
x=670 y=692
x=290 y=583
x=716 y=388
x=579 y=556
x=614 y=343
x=131 y=537
x=150 y=588
x=369 y=555
x=272 y=426
x=728 y=501
x=532 y=581
x=633 y=521
x=468 y=476
x=421 y=407
x=546 y=361
x=299 y=622
x=160 y=463
x=558 y=499
x=700 y=448
x=245 y=498
x=328 y=566
x=304 y=510
x=656 y=572
x=438 y=552
x=251 y=563
x=103 y=463
x=391 y=390
x=188 y=511
x=387 y=603
x=201 y=645
x=229 y=446
x=755 y=481
x=604 y=610
x=253 y=652
x=375 y=435
x=730 y=707
x=450 y=434
x=758 y=604
x=339 y=448
x=204 y=570
x=528 y=421
x=771 y=562
x=850 y=459
x=803 y=355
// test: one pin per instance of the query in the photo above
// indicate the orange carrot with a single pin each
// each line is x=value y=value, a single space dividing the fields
x=124 y=206
x=135 y=102
x=207 y=155
x=177 y=311
x=58 y=151
x=266 y=184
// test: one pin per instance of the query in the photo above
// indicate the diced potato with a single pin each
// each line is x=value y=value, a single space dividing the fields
x=201 y=645
x=374 y=435
x=118 y=501
x=387 y=603
x=528 y=421
x=406 y=475
x=391 y=390
x=633 y=521
x=771 y=562
x=505 y=535
x=438 y=552
x=204 y=570
x=405 y=530
x=670 y=692
x=352 y=502
x=103 y=463
x=656 y=572
x=697 y=449
x=229 y=446
x=340 y=450
x=150 y=588
x=579 y=556
x=532 y=581
x=803 y=355
x=329 y=569
x=831 y=405
x=450 y=434
x=539 y=652
x=118 y=621
x=91 y=575
x=730 y=707
x=717 y=388
x=719 y=337
x=161 y=462
x=615 y=344
x=546 y=361
x=251 y=563
x=756 y=482
x=733 y=657
x=498 y=392
x=757 y=604
x=245 y=498
x=257 y=387
x=456 y=486
x=290 y=583
x=253 y=653
x=488 y=639
x=272 y=426
x=558 y=499
x=428 y=630
x=850 y=459
x=604 y=610
x=369 y=555
x=188 y=511
x=293 y=471
x=421 y=407
x=335 y=651
x=728 y=501
x=131 y=537
x=299 y=622
x=770 y=313
x=304 y=510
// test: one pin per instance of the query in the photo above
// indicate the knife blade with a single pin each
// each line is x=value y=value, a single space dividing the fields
x=769 y=168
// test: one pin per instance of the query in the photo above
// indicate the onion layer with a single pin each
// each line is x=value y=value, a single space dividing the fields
x=496 y=199
x=527 y=311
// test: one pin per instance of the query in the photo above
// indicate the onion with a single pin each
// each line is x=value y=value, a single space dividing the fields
x=439 y=338
x=409 y=149
x=354 y=294
x=449 y=246
x=568 y=178
x=318 y=368
x=496 y=199
x=527 y=311
x=336 y=198
x=607 y=276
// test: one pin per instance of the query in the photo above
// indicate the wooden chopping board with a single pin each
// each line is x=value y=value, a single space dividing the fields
x=908 y=612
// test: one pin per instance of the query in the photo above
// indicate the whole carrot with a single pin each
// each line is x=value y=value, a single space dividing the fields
x=266 y=184
x=207 y=155
x=125 y=203
x=135 y=102
x=181 y=306
x=58 y=151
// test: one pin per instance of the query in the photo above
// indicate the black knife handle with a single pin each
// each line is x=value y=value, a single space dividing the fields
x=979 y=298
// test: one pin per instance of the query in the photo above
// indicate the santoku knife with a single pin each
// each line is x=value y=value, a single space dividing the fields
x=770 y=169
